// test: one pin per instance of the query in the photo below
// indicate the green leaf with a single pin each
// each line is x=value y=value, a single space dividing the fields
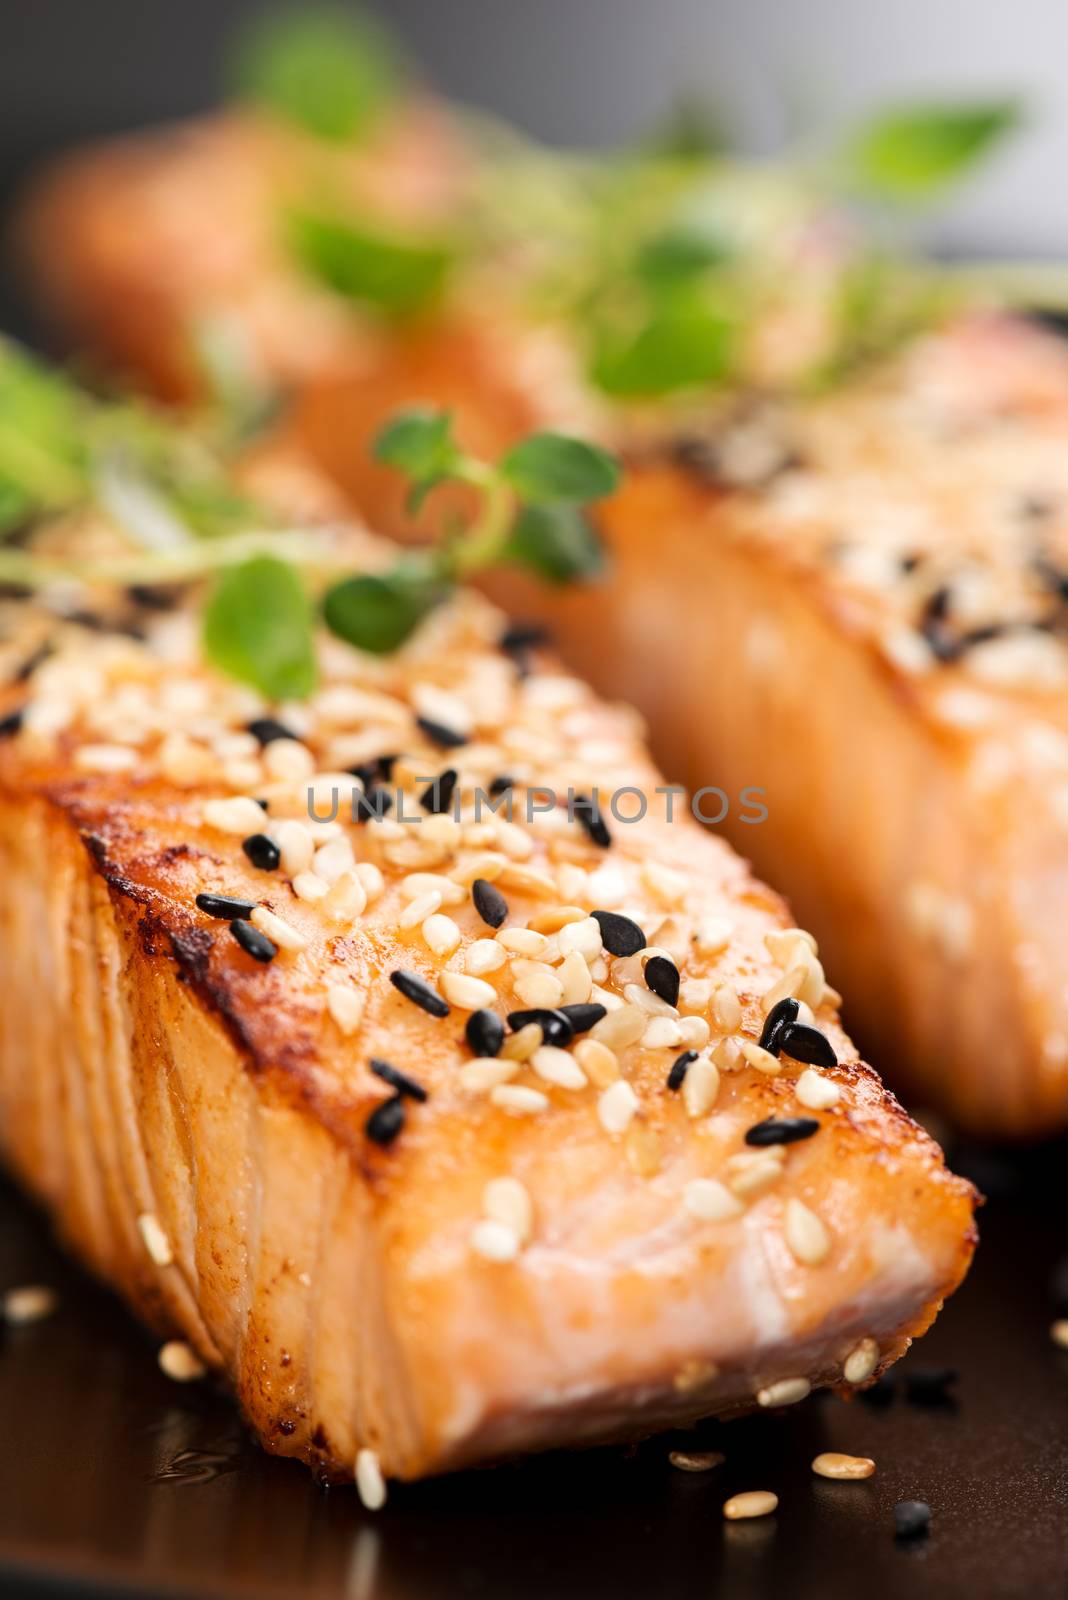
x=555 y=541
x=43 y=422
x=677 y=348
x=258 y=627
x=15 y=506
x=554 y=466
x=330 y=71
x=398 y=276
x=377 y=611
x=418 y=443
x=912 y=153
x=678 y=255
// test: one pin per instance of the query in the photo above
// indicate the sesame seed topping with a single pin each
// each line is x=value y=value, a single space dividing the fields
x=588 y=813
x=370 y=1484
x=385 y=1121
x=238 y=815
x=597 y=1062
x=419 y=992
x=437 y=796
x=225 y=906
x=662 y=977
x=781 y=1130
x=558 y=1067
x=621 y=935
x=484 y=1032
x=280 y=932
x=486 y=1072
x=616 y=1106
x=752 y=1503
x=679 y=1067
x=10 y=724
x=155 y=1240
x=180 y=1361
x=861 y=1361
x=470 y=994
x=489 y=902
x=762 y=1060
x=806 y=1237
x=832 y=1464
x=265 y=730
x=815 y=1092
x=30 y=1303
x=696 y=1460
x=710 y=1201
x=803 y=1043
x=371 y=806
x=508 y=1201
x=556 y=1027
x=786 y=1392
x=495 y=1241
x=445 y=738
x=516 y=1097
x=262 y=852
x=583 y=1016
x=254 y=942
x=397 y=1080
x=441 y=934
x=780 y=1014
x=346 y=1006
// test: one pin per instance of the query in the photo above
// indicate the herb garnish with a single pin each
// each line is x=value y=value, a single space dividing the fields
x=331 y=71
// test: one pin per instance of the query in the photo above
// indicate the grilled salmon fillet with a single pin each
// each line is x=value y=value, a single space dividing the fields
x=293 y=1127
x=878 y=573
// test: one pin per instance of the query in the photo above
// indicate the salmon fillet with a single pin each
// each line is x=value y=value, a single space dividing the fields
x=918 y=824
x=283 y=1130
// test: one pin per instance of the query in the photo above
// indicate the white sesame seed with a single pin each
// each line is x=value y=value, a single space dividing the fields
x=309 y=887
x=287 y=760
x=558 y=1067
x=597 y=1062
x=370 y=1484
x=575 y=980
x=584 y=937
x=786 y=987
x=346 y=898
x=786 y=1392
x=239 y=815
x=761 y=1059
x=518 y=1098
x=636 y=994
x=155 y=1240
x=31 y=1303
x=415 y=884
x=696 y=1460
x=695 y=994
x=700 y=1086
x=540 y=990
x=662 y=1033
x=806 y=1237
x=782 y=944
x=816 y=1092
x=664 y=883
x=180 y=1361
x=485 y=1073
x=616 y=1106
x=726 y=1008
x=346 y=1006
x=105 y=758
x=332 y=859
x=441 y=934
x=494 y=1240
x=508 y=1201
x=621 y=1027
x=520 y=1046
x=753 y=1503
x=371 y=878
x=694 y=1032
x=417 y=911
x=861 y=1361
x=710 y=1200
x=281 y=933
x=832 y=1464
x=711 y=936
x=484 y=955
x=470 y=994
x=295 y=846
x=522 y=941
x=755 y=1178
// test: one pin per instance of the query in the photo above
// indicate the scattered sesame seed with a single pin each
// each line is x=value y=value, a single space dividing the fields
x=370 y=1484
x=597 y=1062
x=484 y=955
x=416 y=989
x=346 y=1007
x=621 y=1027
x=309 y=887
x=494 y=1240
x=806 y=1237
x=802 y=1043
x=753 y=1503
x=861 y=1361
x=254 y=943
x=281 y=933
x=582 y=936
x=616 y=1106
x=620 y=935
x=588 y=813
x=583 y=1016
x=155 y=1240
x=484 y=1031
x=386 y=1120
x=700 y=1086
x=753 y=1180
x=523 y=941
x=781 y=1013
x=397 y=1080
x=485 y=1072
x=662 y=977
x=537 y=985
x=762 y=1060
x=469 y=994
x=518 y=1098
x=786 y=1392
x=832 y=1464
x=815 y=1092
x=696 y=1460
x=489 y=902
x=522 y=637
x=781 y=1130
x=679 y=1068
x=371 y=806
x=710 y=1201
x=522 y=1045
x=225 y=906
x=265 y=730
x=558 y=1067
x=501 y=785
x=445 y=738
x=180 y=1361
x=262 y=852
x=238 y=815
x=508 y=1201
x=31 y=1303
x=912 y=1519
x=441 y=934
x=437 y=796
x=10 y=724
x=556 y=1026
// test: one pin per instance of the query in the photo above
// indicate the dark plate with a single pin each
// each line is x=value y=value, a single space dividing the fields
x=115 y=1478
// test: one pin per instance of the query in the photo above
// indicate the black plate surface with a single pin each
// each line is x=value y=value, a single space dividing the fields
x=113 y=1477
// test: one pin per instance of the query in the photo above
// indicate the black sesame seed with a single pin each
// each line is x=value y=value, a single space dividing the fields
x=155 y=597
x=929 y=1386
x=397 y=1079
x=912 y=1519
x=385 y=1121
x=588 y=812
x=662 y=977
x=523 y=636
x=679 y=1068
x=416 y=989
x=262 y=852
x=366 y=771
x=437 y=796
x=225 y=906
x=583 y=1015
x=265 y=730
x=783 y=1012
x=252 y=941
x=386 y=764
x=32 y=662
x=10 y=724
x=490 y=903
x=782 y=1130
x=371 y=806
x=484 y=1032
x=439 y=734
x=619 y=935
x=501 y=785
x=803 y=1043
x=555 y=1027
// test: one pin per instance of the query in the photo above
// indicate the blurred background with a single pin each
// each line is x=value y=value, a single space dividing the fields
x=596 y=71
